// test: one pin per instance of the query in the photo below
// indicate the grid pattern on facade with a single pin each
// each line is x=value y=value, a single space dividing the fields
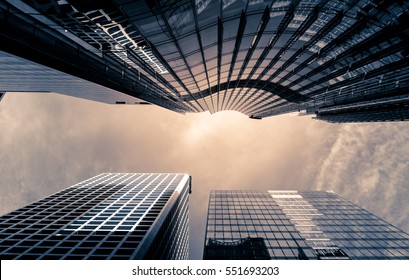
x=171 y=242
x=301 y=225
x=105 y=217
x=358 y=232
x=387 y=110
x=236 y=215
x=260 y=58
x=303 y=215
x=126 y=209
x=21 y=75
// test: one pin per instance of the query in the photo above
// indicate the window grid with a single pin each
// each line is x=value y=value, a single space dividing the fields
x=297 y=225
x=71 y=224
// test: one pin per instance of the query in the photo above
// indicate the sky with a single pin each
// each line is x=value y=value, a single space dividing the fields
x=50 y=141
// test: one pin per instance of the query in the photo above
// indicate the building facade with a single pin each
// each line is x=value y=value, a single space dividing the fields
x=297 y=225
x=345 y=61
x=110 y=216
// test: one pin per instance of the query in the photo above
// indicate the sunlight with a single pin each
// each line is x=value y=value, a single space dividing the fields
x=202 y=125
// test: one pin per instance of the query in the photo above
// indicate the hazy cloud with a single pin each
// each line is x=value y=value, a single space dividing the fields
x=368 y=164
x=51 y=141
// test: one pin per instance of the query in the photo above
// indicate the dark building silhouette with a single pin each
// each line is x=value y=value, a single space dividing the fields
x=345 y=61
x=110 y=216
x=244 y=249
x=307 y=225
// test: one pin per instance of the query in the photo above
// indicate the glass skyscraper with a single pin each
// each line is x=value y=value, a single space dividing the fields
x=344 y=61
x=297 y=225
x=110 y=216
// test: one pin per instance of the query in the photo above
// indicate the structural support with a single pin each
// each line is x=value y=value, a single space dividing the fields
x=27 y=37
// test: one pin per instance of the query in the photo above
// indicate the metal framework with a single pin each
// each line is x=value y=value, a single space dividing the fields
x=260 y=58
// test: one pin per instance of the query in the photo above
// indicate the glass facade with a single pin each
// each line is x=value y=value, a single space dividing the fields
x=21 y=75
x=110 y=216
x=345 y=61
x=297 y=225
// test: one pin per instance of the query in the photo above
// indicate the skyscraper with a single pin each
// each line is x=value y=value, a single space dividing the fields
x=297 y=225
x=110 y=216
x=344 y=61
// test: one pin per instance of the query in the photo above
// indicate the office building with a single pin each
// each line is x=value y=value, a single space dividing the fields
x=343 y=61
x=110 y=216
x=297 y=225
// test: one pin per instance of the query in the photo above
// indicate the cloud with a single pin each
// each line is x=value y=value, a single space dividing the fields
x=368 y=164
x=51 y=141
